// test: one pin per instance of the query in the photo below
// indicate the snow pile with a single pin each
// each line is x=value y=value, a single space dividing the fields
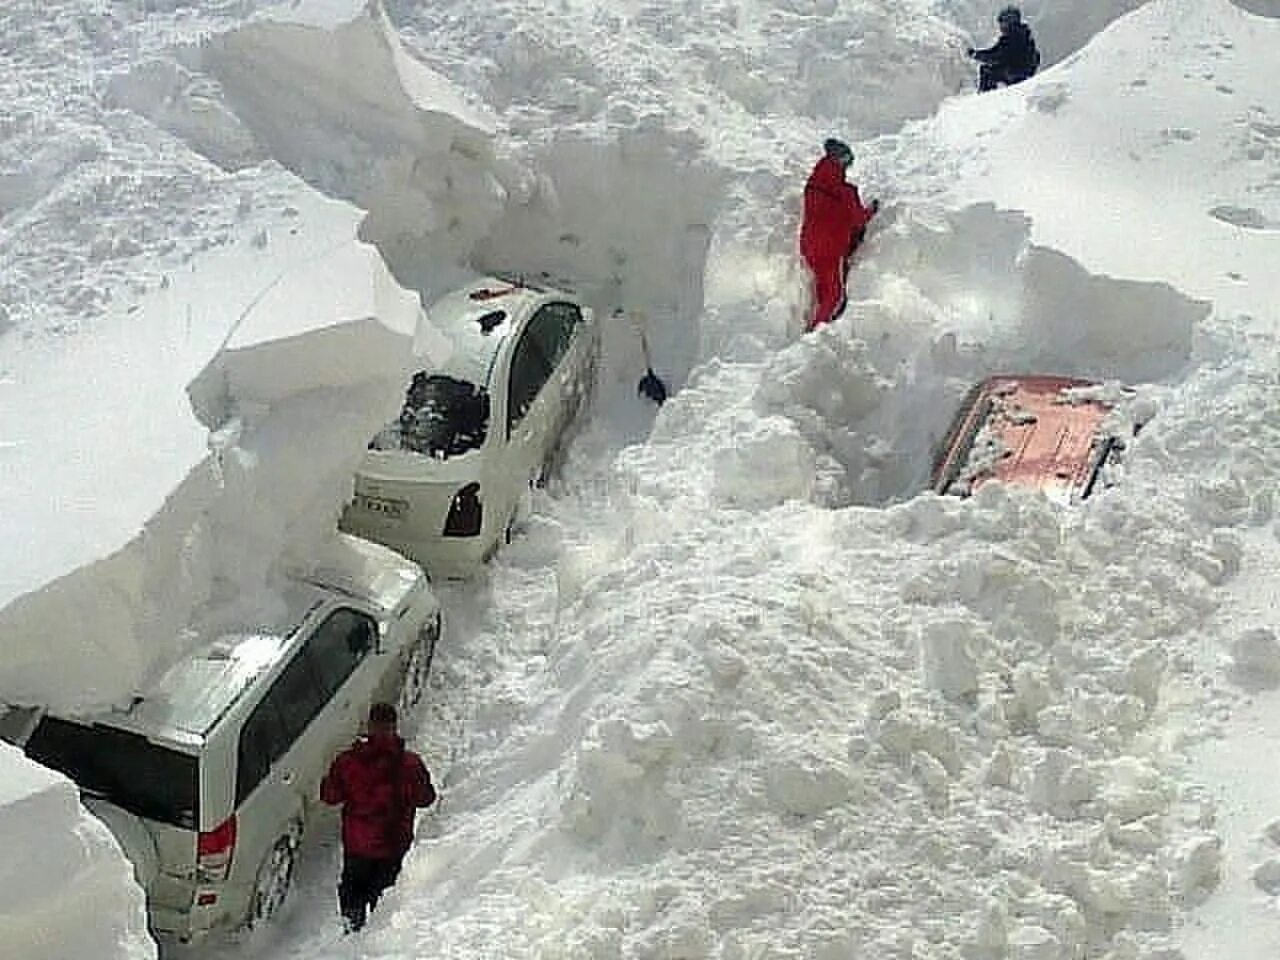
x=306 y=376
x=314 y=364
x=744 y=691
x=71 y=894
x=346 y=108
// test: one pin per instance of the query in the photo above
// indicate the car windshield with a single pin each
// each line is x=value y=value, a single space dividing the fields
x=442 y=417
x=123 y=768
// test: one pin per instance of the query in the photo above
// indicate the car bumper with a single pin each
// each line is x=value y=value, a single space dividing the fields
x=442 y=557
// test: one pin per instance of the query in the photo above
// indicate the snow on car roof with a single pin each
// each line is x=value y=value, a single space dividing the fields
x=477 y=319
x=1028 y=430
x=359 y=568
x=187 y=700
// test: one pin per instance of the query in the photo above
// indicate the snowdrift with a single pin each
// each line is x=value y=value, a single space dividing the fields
x=72 y=894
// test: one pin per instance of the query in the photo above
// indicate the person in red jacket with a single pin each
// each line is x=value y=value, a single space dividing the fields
x=379 y=784
x=834 y=223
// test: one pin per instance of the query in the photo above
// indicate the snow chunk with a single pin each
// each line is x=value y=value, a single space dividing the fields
x=1256 y=658
x=946 y=659
x=764 y=466
x=356 y=319
x=73 y=893
x=807 y=783
x=1266 y=876
x=343 y=105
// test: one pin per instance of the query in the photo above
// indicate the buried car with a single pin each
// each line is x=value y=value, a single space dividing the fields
x=1043 y=432
x=210 y=775
x=443 y=483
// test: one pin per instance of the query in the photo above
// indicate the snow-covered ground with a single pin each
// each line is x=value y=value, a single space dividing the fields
x=740 y=690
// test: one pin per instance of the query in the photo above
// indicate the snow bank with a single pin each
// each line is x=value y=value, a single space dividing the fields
x=313 y=367
x=344 y=106
x=72 y=894
x=1039 y=147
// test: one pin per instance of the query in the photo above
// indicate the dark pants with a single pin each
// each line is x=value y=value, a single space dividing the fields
x=363 y=880
x=990 y=77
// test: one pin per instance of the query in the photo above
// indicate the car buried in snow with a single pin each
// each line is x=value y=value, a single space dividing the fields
x=445 y=483
x=210 y=776
x=1047 y=433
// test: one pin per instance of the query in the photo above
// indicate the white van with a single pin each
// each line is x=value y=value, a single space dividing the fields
x=209 y=777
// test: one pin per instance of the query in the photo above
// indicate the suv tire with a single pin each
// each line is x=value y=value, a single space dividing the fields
x=418 y=669
x=274 y=878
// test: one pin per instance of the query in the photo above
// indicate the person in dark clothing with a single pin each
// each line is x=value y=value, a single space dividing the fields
x=1013 y=58
x=835 y=221
x=379 y=784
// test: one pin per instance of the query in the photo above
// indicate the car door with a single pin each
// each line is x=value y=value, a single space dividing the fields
x=350 y=659
x=310 y=712
x=530 y=409
x=579 y=361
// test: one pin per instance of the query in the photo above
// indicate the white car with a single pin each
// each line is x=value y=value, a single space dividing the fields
x=443 y=483
x=210 y=776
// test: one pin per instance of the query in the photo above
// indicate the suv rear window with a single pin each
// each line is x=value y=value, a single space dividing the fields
x=442 y=417
x=123 y=768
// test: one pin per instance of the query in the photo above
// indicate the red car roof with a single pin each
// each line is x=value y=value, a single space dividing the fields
x=1028 y=431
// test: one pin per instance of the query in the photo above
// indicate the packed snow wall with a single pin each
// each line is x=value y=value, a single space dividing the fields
x=72 y=895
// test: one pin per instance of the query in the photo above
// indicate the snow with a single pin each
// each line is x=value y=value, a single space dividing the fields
x=740 y=689
x=65 y=888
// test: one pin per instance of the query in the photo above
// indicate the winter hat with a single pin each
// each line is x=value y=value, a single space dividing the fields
x=838 y=150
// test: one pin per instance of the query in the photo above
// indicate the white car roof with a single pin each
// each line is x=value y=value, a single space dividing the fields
x=457 y=316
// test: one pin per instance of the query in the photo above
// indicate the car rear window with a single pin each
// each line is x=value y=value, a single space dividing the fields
x=124 y=768
x=442 y=417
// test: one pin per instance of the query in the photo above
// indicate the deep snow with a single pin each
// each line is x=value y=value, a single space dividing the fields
x=739 y=690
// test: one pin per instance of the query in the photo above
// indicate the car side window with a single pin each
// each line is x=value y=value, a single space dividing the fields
x=553 y=326
x=339 y=644
x=262 y=740
x=543 y=343
x=530 y=368
x=293 y=701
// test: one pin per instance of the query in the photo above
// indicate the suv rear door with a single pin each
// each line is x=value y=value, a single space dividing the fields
x=311 y=709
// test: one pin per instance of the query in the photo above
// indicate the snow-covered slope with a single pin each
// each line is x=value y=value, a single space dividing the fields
x=741 y=690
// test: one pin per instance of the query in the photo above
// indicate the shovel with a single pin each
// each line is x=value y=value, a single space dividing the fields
x=650 y=384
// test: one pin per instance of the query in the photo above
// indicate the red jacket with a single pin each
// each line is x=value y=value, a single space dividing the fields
x=833 y=214
x=379 y=785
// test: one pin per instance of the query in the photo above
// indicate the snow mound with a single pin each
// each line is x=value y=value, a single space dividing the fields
x=314 y=366
x=343 y=105
x=73 y=893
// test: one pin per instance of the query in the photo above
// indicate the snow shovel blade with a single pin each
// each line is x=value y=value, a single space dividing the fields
x=651 y=386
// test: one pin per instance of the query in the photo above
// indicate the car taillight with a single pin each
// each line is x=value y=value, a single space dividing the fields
x=465 y=513
x=213 y=852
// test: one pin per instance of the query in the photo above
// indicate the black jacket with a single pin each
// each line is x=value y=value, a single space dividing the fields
x=1014 y=53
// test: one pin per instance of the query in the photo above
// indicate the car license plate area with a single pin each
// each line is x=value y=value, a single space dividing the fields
x=385 y=507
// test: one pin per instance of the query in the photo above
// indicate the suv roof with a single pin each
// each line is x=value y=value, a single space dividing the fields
x=184 y=703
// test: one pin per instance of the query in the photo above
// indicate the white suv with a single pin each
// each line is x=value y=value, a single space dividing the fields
x=210 y=776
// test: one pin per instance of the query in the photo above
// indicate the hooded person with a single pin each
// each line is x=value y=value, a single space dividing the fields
x=835 y=222
x=379 y=784
x=1013 y=58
